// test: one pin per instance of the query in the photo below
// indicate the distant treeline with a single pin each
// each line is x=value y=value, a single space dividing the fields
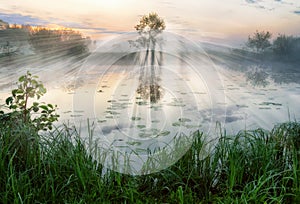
x=41 y=40
x=283 y=47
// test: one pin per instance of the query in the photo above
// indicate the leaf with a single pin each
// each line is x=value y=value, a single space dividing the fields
x=20 y=97
x=31 y=95
x=13 y=107
x=29 y=89
x=19 y=91
x=22 y=103
x=44 y=107
x=22 y=78
x=50 y=106
x=34 y=82
x=9 y=100
x=42 y=89
x=35 y=109
x=14 y=92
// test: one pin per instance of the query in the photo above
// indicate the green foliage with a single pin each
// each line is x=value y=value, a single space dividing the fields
x=251 y=167
x=40 y=115
x=259 y=41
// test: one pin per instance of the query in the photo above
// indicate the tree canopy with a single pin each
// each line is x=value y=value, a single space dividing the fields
x=150 y=22
x=259 y=41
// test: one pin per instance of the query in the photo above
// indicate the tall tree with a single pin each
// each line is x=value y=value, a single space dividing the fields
x=149 y=27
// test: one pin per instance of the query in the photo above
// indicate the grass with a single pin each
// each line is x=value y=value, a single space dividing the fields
x=251 y=167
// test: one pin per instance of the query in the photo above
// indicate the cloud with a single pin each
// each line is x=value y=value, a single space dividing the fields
x=268 y=4
x=34 y=21
x=21 y=19
x=31 y=20
x=257 y=1
x=297 y=12
x=252 y=1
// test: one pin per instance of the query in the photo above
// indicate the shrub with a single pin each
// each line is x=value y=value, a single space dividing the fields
x=20 y=110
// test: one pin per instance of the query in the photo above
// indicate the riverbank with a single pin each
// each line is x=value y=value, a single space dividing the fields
x=251 y=167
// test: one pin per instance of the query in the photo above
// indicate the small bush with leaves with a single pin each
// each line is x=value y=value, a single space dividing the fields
x=40 y=115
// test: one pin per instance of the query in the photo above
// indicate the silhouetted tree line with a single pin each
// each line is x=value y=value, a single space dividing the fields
x=62 y=42
x=282 y=47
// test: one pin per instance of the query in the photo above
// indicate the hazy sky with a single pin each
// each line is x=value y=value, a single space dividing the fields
x=228 y=21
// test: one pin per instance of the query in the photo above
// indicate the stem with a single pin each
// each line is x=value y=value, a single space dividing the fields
x=25 y=105
x=25 y=109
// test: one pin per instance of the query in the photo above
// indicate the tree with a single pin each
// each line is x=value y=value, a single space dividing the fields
x=59 y=42
x=3 y=25
x=149 y=27
x=150 y=23
x=283 y=45
x=259 y=41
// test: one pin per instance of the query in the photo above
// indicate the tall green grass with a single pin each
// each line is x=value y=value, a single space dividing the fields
x=251 y=167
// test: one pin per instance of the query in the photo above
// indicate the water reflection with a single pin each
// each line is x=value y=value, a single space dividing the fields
x=150 y=92
x=149 y=79
x=256 y=76
x=150 y=66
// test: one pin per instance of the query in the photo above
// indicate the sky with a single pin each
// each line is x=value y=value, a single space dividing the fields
x=227 y=22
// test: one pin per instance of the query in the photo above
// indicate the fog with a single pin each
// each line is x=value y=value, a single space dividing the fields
x=135 y=98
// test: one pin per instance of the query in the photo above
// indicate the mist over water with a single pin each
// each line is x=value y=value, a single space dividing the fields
x=137 y=99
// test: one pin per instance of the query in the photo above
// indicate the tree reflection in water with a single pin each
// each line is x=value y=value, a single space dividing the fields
x=149 y=28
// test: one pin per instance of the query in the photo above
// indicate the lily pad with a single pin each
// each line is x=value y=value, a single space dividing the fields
x=184 y=120
x=136 y=118
x=141 y=126
x=145 y=134
x=264 y=108
x=270 y=103
x=142 y=103
x=79 y=111
x=111 y=101
x=134 y=143
x=176 y=124
x=112 y=112
x=76 y=115
x=164 y=133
